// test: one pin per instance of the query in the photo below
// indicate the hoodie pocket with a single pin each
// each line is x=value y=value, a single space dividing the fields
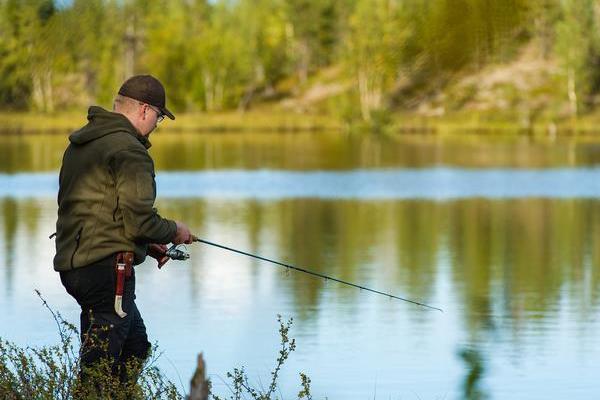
x=77 y=241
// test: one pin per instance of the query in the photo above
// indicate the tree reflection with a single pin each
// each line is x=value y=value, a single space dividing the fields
x=314 y=150
x=507 y=258
x=416 y=227
x=511 y=263
x=9 y=228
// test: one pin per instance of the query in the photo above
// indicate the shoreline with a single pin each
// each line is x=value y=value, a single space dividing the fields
x=274 y=121
x=26 y=123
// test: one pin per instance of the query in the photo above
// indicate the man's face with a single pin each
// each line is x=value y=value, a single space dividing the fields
x=150 y=117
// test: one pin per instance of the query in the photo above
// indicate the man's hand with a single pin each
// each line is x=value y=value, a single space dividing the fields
x=158 y=251
x=183 y=234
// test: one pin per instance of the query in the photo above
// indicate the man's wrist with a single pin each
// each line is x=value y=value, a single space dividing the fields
x=172 y=231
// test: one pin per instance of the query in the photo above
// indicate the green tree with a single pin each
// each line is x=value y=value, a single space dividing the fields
x=373 y=51
x=170 y=49
x=577 y=49
x=224 y=59
x=30 y=52
x=15 y=85
x=313 y=33
x=263 y=24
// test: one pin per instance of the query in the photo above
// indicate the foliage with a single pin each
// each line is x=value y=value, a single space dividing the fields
x=240 y=385
x=52 y=372
x=224 y=54
x=577 y=48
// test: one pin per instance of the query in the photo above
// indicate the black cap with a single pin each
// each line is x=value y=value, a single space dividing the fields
x=147 y=89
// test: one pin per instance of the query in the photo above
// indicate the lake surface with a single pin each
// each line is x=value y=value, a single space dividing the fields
x=503 y=234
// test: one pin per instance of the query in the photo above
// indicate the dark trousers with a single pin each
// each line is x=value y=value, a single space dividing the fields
x=103 y=333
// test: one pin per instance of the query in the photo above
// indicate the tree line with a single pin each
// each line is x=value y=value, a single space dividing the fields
x=233 y=54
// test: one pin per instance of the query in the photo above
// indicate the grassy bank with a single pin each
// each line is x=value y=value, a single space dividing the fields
x=31 y=123
x=277 y=120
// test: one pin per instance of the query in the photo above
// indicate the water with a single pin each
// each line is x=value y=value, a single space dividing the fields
x=431 y=183
x=502 y=234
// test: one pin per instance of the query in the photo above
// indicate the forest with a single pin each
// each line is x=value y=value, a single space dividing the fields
x=351 y=59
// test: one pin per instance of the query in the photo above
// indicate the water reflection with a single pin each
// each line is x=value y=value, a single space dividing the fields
x=318 y=150
x=511 y=262
x=9 y=225
x=518 y=278
x=475 y=371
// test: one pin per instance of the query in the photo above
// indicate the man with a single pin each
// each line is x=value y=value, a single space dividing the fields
x=106 y=221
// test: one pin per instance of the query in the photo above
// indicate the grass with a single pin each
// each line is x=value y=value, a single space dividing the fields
x=53 y=372
x=485 y=124
x=276 y=119
x=24 y=122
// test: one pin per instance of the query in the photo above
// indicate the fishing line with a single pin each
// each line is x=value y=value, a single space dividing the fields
x=317 y=274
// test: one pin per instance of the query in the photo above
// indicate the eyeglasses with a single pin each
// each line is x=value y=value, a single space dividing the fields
x=159 y=115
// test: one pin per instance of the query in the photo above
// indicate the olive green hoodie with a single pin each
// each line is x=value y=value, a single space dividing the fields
x=106 y=194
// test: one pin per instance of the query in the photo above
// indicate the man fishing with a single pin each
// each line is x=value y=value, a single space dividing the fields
x=107 y=222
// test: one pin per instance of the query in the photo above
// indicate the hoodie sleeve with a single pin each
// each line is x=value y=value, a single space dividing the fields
x=133 y=170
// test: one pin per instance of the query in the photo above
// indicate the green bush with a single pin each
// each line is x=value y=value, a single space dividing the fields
x=53 y=372
x=240 y=385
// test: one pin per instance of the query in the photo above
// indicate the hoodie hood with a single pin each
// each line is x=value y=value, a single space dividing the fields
x=101 y=123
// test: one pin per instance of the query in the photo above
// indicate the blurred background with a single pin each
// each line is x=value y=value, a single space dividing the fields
x=515 y=62
x=443 y=150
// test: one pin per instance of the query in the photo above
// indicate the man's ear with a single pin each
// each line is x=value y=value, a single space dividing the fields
x=144 y=111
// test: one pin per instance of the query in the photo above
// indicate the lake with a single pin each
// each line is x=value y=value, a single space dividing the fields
x=501 y=233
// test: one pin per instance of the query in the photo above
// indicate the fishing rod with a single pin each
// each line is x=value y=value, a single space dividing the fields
x=175 y=253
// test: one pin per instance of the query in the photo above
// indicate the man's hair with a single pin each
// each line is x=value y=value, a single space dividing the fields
x=125 y=104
